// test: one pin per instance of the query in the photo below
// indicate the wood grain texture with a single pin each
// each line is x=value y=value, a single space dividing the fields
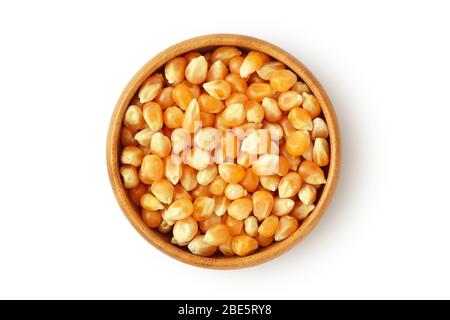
x=159 y=240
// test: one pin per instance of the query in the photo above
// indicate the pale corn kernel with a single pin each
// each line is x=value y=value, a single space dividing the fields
x=225 y=54
x=201 y=191
x=251 y=226
x=181 y=140
x=174 y=70
x=196 y=70
x=166 y=218
x=217 y=186
x=199 y=247
x=283 y=166
x=150 y=89
x=290 y=185
x=144 y=137
x=307 y=194
x=207 y=119
x=254 y=78
x=195 y=89
x=282 y=80
x=252 y=62
x=163 y=191
x=221 y=205
x=268 y=68
x=293 y=161
x=270 y=182
x=262 y=202
x=137 y=192
x=208 y=138
x=235 y=64
x=212 y=220
x=231 y=172
x=210 y=104
x=198 y=158
x=243 y=245
x=321 y=152
x=236 y=97
x=311 y=173
x=320 y=129
x=263 y=241
x=132 y=156
x=189 y=178
x=259 y=91
x=302 y=210
x=274 y=129
x=165 y=227
x=244 y=159
x=133 y=118
x=207 y=175
x=245 y=129
x=217 y=71
x=152 y=219
x=203 y=208
x=219 y=123
x=311 y=105
x=256 y=142
x=233 y=115
x=268 y=226
x=254 y=112
x=282 y=206
x=127 y=137
x=219 y=89
x=191 y=119
x=300 y=119
x=287 y=226
x=173 y=117
x=251 y=180
x=182 y=95
x=308 y=154
x=160 y=145
x=150 y=202
x=289 y=100
x=301 y=87
x=130 y=177
x=181 y=193
x=287 y=127
x=177 y=243
x=217 y=235
x=165 y=98
x=145 y=150
x=226 y=248
x=272 y=112
x=191 y=55
x=237 y=83
x=185 y=230
x=298 y=143
x=153 y=116
x=234 y=191
x=266 y=165
x=152 y=169
x=179 y=209
x=274 y=149
x=234 y=225
x=240 y=208
x=173 y=168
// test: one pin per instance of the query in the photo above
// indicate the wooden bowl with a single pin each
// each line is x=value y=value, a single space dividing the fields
x=162 y=242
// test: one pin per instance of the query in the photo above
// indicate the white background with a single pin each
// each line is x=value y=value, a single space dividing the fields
x=386 y=67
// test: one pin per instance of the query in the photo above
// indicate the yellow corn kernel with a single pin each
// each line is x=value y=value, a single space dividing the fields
x=217 y=186
x=165 y=98
x=286 y=227
x=293 y=161
x=174 y=70
x=182 y=95
x=252 y=62
x=270 y=182
x=185 y=230
x=207 y=119
x=201 y=191
x=274 y=130
x=180 y=193
x=256 y=142
x=268 y=226
x=179 y=210
x=282 y=80
x=251 y=180
x=196 y=70
x=288 y=129
x=224 y=54
x=234 y=191
x=246 y=160
x=210 y=104
x=234 y=225
x=219 y=89
x=235 y=64
x=282 y=206
x=127 y=137
x=263 y=241
x=173 y=168
x=262 y=202
x=163 y=191
x=221 y=205
x=266 y=165
x=321 y=152
x=268 y=68
x=152 y=169
x=289 y=100
x=189 y=178
x=272 y=112
x=226 y=248
x=298 y=143
x=300 y=119
x=160 y=145
x=203 y=208
x=308 y=154
x=243 y=245
x=236 y=97
x=181 y=140
x=259 y=91
x=302 y=210
x=207 y=138
x=153 y=116
x=165 y=227
x=237 y=83
x=152 y=219
x=301 y=87
x=191 y=55
x=130 y=177
x=233 y=115
x=240 y=208
x=137 y=192
x=132 y=156
x=254 y=112
x=207 y=175
x=173 y=117
x=283 y=166
x=307 y=194
x=251 y=226
x=133 y=118
x=144 y=137
x=231 y=172
x=311 y=105
x=150 y=202
x=311 y=173
x=254 y=78
x=217 y=71
x=212 y=220
x=290 y=185
x=199 y=247
x=320 y=129
x=217 y=235
x=191 y=119
x=150 y=89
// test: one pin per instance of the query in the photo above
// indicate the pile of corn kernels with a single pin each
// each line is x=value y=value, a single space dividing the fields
x=225 y=151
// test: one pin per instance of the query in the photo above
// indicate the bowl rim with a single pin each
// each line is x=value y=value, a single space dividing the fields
x=112 y=149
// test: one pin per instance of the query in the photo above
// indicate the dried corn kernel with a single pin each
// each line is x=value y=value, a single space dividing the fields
x=320 y=129
x=137 y=192
x=173 y=168
x=251 y=226
x=165 y=227
x=180 y=209
x=252 y=62
x=282 y=80
x=144 y=137
x=207 y=175
x=302 y=210
x=224 y=54
x=163 y=191
x=150 y=89
x=254 y=112
x=130 y=177
x=217 y=71
x=266 y=165
x=153 y=116
x=133 y=118
x=237 y=83
x=182 y=95
x=173 y=117
x=185 y=230
x=262 y=202
x=221 y=205
x=234 y=191
x=189 y=178
x=311 y=173
x=174 y=70
x=150 y=202
x=236 y=97
x=268 y=68
x=240 y=208
x=208 y=138
x=152 y=169
x=160 y=145
x=300 y=119
x=301 y=87
x=286 y=227
x=288 y=129
x=289 y=100
x=165 y=98
x=217 y=235
x=180 y=193
x=268 y=226
x=152 y=219
x=201 y=191
x=307 y=194
x=181 y=140
x=321 y=152
x=298 y=143
x=191 y=119
x=212 y=220
x=282 y=206
x=199 y=247
x=243 y=245
x=259 y=91
x=196 y=70
x=270 y=182
x=234 y=225
x=231 y=172
x=219 y=89
x=203 y=208
x=311 y=105
x=235 y=64
x=132 y=156
x=226 y=248
x=290 y=185
x=127 y=137
x=272 y=112
x=251 y=180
